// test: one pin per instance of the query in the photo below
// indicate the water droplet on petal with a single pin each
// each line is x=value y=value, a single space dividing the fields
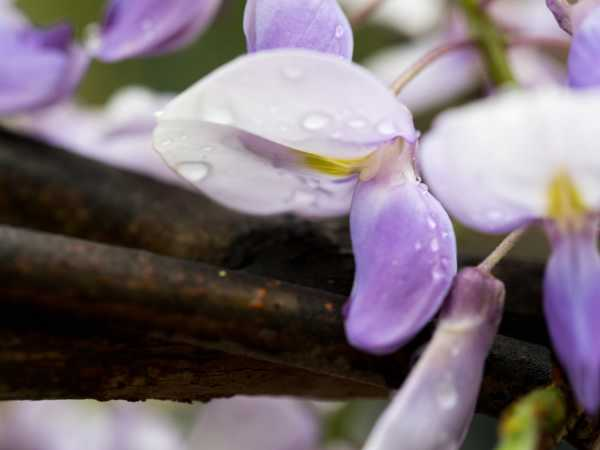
x=431 y=223
x=339 y=31
x=316 y=121
x=292 y=73
x=387 y=128
x=434 y=245
x=194 y=172
x=418 y=245
x=446 y=394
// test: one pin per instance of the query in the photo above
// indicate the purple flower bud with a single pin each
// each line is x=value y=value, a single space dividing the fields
x=435 y=406
x=572 y=308
x=133 y=28
x=40 y=67
x=316 y=25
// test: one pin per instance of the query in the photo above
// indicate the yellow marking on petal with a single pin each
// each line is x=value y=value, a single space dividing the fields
x=565 y=203
x=337 y=167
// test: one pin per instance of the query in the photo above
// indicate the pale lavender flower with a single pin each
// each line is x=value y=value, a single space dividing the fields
x=133 y=28
x=570 y=14
x=317 y=25
x=436 y=403
x=39 y=68
x=118 y=134
x=77 y=425
x=293 y=130
x=256 y=423
x=518 y=158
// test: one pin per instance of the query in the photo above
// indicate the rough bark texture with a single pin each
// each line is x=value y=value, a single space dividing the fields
x=224 y=304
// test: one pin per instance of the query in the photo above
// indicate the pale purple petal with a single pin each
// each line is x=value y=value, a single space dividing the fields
x=242 y=135
x=530 y=17
x=133 y=28
x=436 y=403
x=119 y=134
x=572 y=307
x=314 y=25
x=405 y=254
x=40 y=67
x=584 y=57
x=570 y=15
x=258 y=423
x=492 y=163
x=10 y=15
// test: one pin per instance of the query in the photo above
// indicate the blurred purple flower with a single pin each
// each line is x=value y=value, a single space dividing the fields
x=436 y=403
x=119 y=134
x=77 y=425
x=316 y=25
x=460 y=72
x=134 y=28
x=582 y=20
x=520 y=158
x=40 y=67
x=293 y=130
x=256 y=423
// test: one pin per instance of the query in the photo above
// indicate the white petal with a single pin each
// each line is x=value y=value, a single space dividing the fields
x=236 y=134
x=492 y=163
x=526 y=16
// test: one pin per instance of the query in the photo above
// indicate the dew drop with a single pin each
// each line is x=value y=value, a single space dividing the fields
x=316 y=121
x=292 y=73
x=431 y=223
x=357 y=123
x=418 y=246
x=194 y=172
x=434 y=245
x=446 y=394
x=339 y=31
x=387 y=128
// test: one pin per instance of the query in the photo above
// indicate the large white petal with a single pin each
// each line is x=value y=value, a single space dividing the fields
x=492 y=163
x=237 y=134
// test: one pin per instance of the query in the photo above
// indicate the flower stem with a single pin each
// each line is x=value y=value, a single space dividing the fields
x=490 y=40
x=409 y=74
x=502 y=250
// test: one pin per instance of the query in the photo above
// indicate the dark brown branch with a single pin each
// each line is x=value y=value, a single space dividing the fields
x=58 y=288
x=48 y=189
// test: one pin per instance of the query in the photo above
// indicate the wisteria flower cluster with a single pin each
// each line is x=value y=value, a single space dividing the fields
x=295 y=126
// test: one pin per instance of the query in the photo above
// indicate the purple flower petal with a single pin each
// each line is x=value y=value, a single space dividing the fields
x=246 y=134
x=10 y=15
x=493 y=162
x=133 y=28
x=316 y=25
x=405 y=254
x=256 y=424
x=584 y=57
x=119 y=134
x=40 y=67
x=570 y=15
x=436 y=403
x=572 y=307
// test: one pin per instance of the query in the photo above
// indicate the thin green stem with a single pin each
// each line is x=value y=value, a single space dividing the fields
x=491 y=42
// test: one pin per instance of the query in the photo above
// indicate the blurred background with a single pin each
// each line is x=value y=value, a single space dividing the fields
x=224 y=40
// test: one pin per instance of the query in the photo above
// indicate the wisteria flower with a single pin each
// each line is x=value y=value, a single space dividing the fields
x=118 y=134
x=40 y=66
x=259 y=423
x=534 y=158
x=298 y=131
x=318 y=25
x=133 y=28
x=461 y=71
x=77 y=425
x=436 y=403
